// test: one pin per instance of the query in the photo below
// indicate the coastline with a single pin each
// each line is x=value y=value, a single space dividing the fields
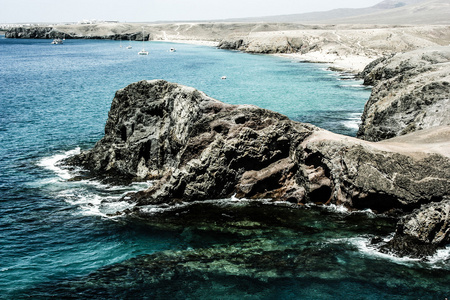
x=354 y=64
x=191 y=42
x=347 y=47
x=332 y=163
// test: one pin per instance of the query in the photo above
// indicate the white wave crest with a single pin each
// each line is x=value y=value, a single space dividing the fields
x=353 y=121
x=51 y=163
x=440 y=260
x=89 y=197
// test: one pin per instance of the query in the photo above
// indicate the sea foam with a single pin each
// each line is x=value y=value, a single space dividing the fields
x=440 y=260
x=51 y=163
x=90 y=197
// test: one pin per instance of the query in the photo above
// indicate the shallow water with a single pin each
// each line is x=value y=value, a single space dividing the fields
x=54 y=101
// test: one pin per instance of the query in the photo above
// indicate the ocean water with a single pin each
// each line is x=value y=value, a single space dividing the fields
x=58 y=241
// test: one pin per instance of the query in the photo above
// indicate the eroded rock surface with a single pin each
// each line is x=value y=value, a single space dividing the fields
x=195 y=146
x=411 y=92
x=422 y=232
x=198 y=148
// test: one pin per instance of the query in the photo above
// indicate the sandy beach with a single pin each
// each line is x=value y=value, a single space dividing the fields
x=192 y=42
x=348 y=63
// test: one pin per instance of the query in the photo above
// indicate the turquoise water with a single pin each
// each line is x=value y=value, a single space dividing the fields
x=54 y=101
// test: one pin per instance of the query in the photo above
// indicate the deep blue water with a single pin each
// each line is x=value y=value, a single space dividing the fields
x=54 y=100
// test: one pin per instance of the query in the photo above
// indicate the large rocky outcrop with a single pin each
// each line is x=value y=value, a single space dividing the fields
x=198 y=148
x=411 y=92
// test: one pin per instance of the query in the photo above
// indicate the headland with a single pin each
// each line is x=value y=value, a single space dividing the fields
x=197 y=148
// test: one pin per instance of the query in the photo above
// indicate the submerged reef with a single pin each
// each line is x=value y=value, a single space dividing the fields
x=255 y=250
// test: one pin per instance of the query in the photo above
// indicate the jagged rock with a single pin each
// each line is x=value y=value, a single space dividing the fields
x=198 y=148
x=411 y=92
x=376 y=176
x=422 y=232
x=430 y=224
x=160 y=130
x=232 y=44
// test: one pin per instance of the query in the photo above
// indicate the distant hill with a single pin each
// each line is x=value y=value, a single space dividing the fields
x=430 y=12
x=385 y=12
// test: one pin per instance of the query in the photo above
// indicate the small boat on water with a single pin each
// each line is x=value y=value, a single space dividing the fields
x=143 y=51
x=173 y=50
x=57 y=42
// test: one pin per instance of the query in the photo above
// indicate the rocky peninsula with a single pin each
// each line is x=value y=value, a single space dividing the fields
x=197 y=148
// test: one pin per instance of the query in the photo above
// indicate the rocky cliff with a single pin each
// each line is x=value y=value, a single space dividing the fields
x=198 y=148
x=33 y=33
x=411 y=92
x=72 y=32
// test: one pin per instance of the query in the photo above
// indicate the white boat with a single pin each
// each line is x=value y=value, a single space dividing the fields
x=173 y=50
x=143 y=51
x=129 y=46
x=57 y=42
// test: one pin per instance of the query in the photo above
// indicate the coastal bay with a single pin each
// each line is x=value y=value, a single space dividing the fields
x=254 y=186
x=348 y=47
x=55 y=103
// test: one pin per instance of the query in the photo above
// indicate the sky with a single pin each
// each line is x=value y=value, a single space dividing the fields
x=57 y=11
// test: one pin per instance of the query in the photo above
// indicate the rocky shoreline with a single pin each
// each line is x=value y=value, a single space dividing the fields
x=197 y=148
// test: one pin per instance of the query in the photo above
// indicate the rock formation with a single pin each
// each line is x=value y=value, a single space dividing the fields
x=420 y=233
x=198 y=148
x=411 y=92
x=33 y=33
x=70 y=33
